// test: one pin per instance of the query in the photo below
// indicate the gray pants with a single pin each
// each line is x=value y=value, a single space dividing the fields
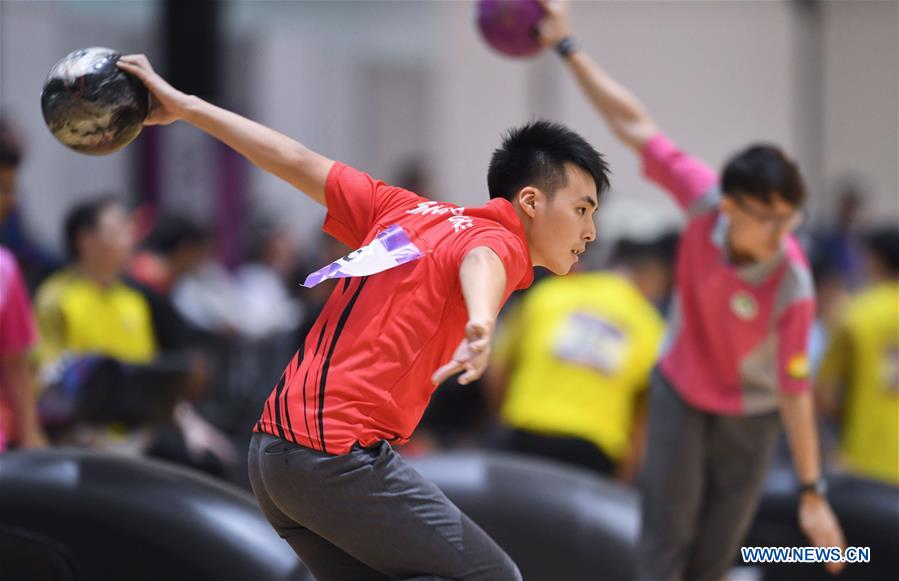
x=701 y=483
x=367 y=514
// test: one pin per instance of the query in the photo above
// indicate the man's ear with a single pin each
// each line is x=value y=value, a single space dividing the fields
x=727 y=206
x=527 y=199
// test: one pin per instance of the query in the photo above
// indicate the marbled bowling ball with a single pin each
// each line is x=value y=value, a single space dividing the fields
x=509 y=26
x=91 y=105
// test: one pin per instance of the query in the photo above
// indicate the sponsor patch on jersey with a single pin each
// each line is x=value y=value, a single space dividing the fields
x=743 y=305
x=798 y=367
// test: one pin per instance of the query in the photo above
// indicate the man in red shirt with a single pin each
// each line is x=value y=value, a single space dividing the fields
x=417 y=304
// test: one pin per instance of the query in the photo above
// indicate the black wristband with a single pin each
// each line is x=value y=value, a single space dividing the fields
x=566 y=47
x=818 y=487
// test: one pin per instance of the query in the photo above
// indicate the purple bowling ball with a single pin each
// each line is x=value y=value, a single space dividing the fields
x=509 y=26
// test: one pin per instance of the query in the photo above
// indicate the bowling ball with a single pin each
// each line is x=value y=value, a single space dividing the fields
x=92 y=106
x=509 y=26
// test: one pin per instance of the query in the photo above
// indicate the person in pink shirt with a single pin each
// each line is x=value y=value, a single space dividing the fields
x=735 y=359
x=18 y=414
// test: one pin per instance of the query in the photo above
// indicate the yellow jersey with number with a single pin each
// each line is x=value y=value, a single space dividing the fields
x=579 y=350
x=863 y=357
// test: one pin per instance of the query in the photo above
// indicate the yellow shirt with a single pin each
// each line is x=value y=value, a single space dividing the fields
x=76 y=315
x=864 y=357
x=580 y=350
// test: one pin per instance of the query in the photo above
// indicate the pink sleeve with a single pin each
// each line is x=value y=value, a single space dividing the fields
x=356 y=202
x=794 y=327
x=685 y=177
x=17 y=329
x=502 y=242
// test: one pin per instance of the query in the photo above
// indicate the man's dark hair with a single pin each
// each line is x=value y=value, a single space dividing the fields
x=535 y=155
x=83 y=217
x=759 y=172
x=883 y=243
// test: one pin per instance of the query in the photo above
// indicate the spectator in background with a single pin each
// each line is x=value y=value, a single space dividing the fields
x=175 y=246
x=266 y=305
x=573 y=359
x=858 y=381
x=207 y=296
x=98 y=343
x=831 y=293
x=18 y=416
x=34 y=262
x=841 y=241
x=86 y=306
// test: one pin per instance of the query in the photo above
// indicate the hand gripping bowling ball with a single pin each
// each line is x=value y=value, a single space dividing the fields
x=510 y=26
x=91 y=105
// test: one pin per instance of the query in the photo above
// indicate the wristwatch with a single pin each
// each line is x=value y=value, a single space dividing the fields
x=566 y=47
x=818 y=486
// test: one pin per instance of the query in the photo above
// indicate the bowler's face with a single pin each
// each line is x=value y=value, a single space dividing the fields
x=563 y=223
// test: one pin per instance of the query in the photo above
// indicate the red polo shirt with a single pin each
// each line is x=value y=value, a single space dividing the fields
x=363 y=373
x=737 y=335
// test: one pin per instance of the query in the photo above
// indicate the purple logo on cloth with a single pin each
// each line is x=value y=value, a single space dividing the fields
x=390 y=248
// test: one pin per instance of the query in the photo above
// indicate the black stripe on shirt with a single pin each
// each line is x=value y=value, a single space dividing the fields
x=267 y=414
x=300 y=354
x=318 y=345
x=327 y=364
x=281 y=383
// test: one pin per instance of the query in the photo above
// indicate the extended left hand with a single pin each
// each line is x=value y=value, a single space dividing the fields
x=472 y=354
x=820 y=525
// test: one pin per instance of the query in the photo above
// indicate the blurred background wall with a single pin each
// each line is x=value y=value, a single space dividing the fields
x=383 y=84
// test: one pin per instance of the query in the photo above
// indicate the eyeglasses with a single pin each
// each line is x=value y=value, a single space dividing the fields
x=773 y=221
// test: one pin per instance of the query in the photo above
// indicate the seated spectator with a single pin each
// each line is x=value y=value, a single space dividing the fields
x=99 y=352
x=208 y=298
x=858 y=381
x=86 y=307
x=573 y=362
x=175 y=246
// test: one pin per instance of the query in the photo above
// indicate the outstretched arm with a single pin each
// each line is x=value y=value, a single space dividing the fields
x=624 y=114
x=267 y=149
x=686 y=178
x=483 y=280
x=797 y=408
x=816 y=519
